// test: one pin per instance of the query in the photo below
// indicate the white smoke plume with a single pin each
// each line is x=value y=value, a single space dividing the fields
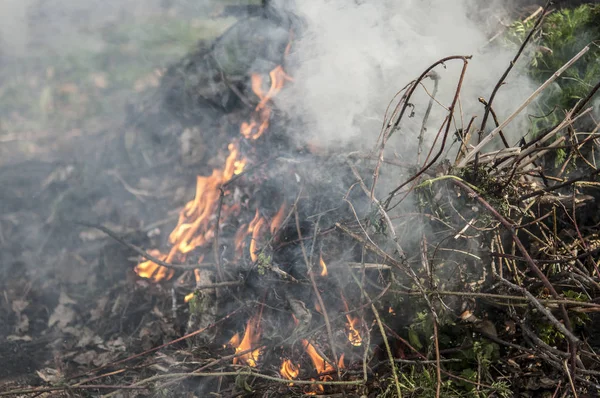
x=353 y=56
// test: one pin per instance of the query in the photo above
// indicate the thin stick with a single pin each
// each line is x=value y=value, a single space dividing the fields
x=61 y=388
x=319 y=298
x=383 y=336
x=488 y=105
x=524 y=105
x=571 y=383
x=445 y=136
x=532 y=266
x=535 y=302
x=187 y=336
x=525 y=152
x=392 y=126
x=143 y=253
x=436 y=81
x=558 y=186
x=216 y=253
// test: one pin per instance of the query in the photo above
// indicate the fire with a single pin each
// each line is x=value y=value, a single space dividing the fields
x=250 y=339
x=289 y=370
x=240 y=235
x=352 y=325
x=260 y=122
x=353 y=334
x=323 y=266
x=318 y=308
x=318 y=361
x=255 y=228
x=150 y=270
x=277 y=219
x=196 y=226
x=191 y=295
x=188 y=297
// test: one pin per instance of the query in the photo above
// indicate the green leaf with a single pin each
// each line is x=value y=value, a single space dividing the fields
x=241 y=381
x=413 y=337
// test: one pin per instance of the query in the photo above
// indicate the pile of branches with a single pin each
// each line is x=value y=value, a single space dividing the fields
x=496 y=253
x=519 y=225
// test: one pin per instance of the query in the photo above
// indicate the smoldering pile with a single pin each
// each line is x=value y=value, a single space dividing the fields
x=301 y=268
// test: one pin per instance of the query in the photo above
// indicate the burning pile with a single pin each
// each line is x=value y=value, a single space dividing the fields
x=196 y=227
x=376 y=283
x=200 y=224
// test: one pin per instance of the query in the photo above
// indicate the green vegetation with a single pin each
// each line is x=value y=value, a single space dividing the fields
x=562 y=35
x=87 y=83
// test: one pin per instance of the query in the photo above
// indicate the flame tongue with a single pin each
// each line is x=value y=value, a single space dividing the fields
x=352 y=325
x=323 y=266
x=250 y=339
x=289 y=370
x=196 y=225
x=260 y=121
x=318 y=361
x=149 y=269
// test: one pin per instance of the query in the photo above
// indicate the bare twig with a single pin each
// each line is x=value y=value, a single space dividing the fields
x=143 y=253
x=525 y=103
x=445 y=134
x=532 y=266
x=488 y=105
x=319 y=298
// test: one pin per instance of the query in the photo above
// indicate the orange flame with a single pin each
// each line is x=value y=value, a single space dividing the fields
x=188 y=297
x=250 y=339
x=318 y=308
x=196 y=225
x=240 y=235
x=191 y=295
x=320 y=365
x=260 y=122
x=318 y=361
x=277 y=219
x=352 y=325
x=323 y=266
x=289 y=370
x=151 y=270
x=255 y=228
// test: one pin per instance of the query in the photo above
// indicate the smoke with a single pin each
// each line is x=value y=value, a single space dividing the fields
x=14 y=33
x=353 y=56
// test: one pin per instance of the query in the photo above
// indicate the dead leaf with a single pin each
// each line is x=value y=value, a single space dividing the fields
x=116 y=345
x=49 y=375
x=85 y=358
x=103 y=358
x=87 y=337
x=150 y=80
x=68 y=88
x=19 y=305
x=62 y=315
x=64 y=299
x=97 y=312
